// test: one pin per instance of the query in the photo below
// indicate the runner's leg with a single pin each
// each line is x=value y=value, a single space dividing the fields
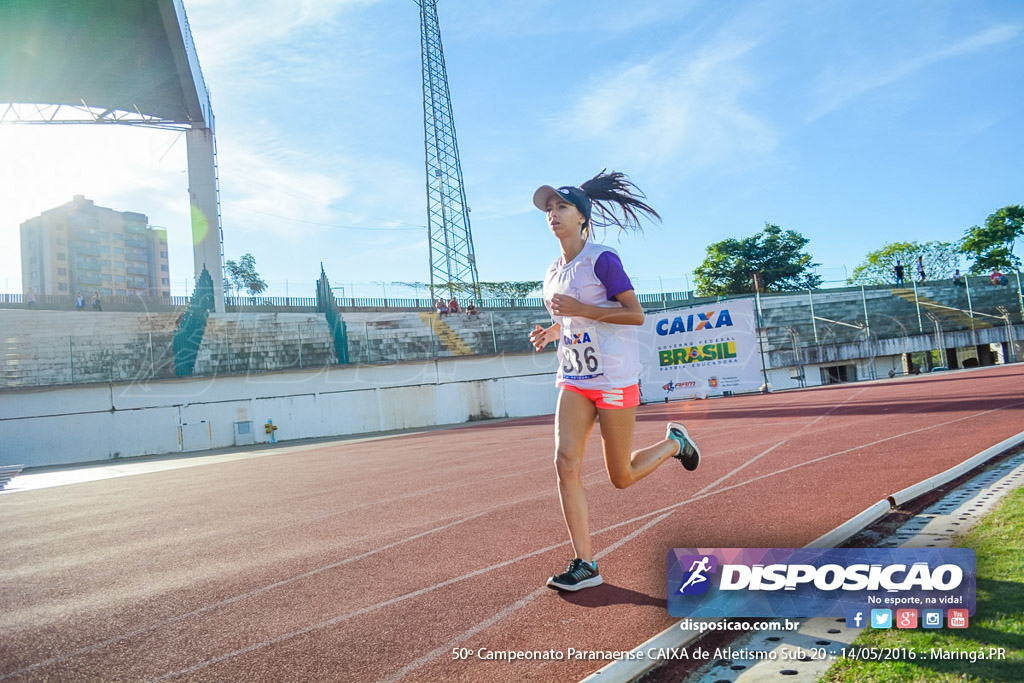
x=574 y=419
x=626 y=467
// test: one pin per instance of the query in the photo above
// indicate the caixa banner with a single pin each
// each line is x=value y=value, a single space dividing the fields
x=699 y=351
x=816 y=582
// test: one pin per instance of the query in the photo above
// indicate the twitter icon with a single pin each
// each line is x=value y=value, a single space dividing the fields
x=881 y=618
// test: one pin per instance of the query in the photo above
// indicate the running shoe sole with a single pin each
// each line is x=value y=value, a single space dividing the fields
x=585 y=583
x=691 y=461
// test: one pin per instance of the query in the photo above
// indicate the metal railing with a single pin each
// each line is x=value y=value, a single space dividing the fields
x=325 y=304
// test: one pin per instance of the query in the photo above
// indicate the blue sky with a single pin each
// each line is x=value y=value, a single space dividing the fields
x=854 y=123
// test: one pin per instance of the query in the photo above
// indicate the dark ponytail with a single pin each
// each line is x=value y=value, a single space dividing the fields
x=617 y=201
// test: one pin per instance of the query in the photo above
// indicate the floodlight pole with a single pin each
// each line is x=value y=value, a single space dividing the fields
x=204 y=205
x=450 y=240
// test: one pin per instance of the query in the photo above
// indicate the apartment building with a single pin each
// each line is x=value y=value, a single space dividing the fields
x=81 y=247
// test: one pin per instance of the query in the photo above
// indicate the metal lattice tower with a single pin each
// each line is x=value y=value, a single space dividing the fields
x=452 y=261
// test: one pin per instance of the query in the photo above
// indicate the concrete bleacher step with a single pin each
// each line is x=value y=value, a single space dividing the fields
x=954 y=315
x=451 y=339
x=241 y=342
x=388 y=336
x=891 y=313
x=8 y=472
x=40 y=347
x=375 y=337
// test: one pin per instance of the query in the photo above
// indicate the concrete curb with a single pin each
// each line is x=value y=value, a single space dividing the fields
x=852 y=526
x=919 y=489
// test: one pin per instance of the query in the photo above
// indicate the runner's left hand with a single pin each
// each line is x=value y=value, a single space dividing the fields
x=564 y=305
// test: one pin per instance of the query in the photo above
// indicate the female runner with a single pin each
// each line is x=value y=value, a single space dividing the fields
x=596 y=314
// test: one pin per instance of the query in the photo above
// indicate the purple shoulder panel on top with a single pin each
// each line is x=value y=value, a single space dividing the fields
x=608 y=269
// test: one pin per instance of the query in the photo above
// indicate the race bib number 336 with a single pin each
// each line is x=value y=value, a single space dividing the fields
x=581 y=355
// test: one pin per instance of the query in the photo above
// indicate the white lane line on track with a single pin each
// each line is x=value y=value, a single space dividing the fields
x=387 y=501
x=518 y=473
x=506 y=612
x=547 y=464
x=371 y=608
x=422 y=458
x=349 y=615
x=600 y=469
x=387 y=603
x=224 y=603
x=813 y=461
x=780 y=443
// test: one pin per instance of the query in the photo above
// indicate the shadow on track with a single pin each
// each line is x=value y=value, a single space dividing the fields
x=608 y=594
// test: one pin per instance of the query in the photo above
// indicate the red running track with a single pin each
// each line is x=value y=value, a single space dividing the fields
x=373 y=560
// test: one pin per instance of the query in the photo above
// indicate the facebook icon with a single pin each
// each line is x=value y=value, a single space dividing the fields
x=855 y=618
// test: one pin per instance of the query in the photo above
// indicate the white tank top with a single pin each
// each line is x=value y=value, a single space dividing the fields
x=592 y=354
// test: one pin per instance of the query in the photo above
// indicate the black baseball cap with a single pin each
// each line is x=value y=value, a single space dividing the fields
x=571 y=194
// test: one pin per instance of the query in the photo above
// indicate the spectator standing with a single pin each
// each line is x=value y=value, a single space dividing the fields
x=920 y=269
x=30 y=299
x=96 y=306
x=80 y=302
x=898 y=270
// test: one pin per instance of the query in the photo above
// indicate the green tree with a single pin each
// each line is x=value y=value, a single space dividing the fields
x=242 y=275
x=992 y=246
x=775 y=255
x=500 y=290
x=443 y=290
x=939 y=258
x=510 y=290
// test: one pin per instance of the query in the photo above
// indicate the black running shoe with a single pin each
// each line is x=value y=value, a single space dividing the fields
x=688 y=453
x=580 y=574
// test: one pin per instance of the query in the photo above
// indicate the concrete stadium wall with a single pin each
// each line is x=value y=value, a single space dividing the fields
x=782 y=367
x=786 y=377
x=66 y=425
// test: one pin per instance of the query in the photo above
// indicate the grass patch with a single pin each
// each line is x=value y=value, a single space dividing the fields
x=997 y=623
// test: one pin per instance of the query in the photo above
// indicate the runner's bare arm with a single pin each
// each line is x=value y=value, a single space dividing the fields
x=630 y=313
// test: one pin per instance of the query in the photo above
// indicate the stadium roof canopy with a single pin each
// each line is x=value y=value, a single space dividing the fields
x=100 y=61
